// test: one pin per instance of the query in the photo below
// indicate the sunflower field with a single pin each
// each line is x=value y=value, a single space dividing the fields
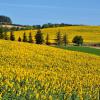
x=90 y=34
x=39 y=72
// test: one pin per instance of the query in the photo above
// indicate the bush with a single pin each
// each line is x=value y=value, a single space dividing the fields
x=78 y=40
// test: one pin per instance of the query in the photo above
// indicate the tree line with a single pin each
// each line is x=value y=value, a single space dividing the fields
x=35 y=27
x=39 y=38
x=5 y=20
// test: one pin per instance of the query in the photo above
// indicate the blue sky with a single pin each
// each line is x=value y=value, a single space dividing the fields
x=31 y=12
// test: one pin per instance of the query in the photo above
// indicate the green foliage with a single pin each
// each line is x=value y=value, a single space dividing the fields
x=13 y=28
x=24 y=37
x=78 y=40
x=39 y=37
x=5 y=20
x=30 y=38
x=74 y=96
x=36 y=26
x=3 y=33
x=51 y=25
x=12 y=37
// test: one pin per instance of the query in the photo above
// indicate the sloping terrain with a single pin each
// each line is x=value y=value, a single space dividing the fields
x=91 y=34
x=30 y=71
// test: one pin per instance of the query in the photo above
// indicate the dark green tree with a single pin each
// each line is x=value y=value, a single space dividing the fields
x=47 y=39
x=24 y=37
x=19 y=39
x=59 y=39
x=12 y=37
x=30 y=38
x=1 y=33
x=39 y=37
x=5 y=20
x=78 y=40
x=65 y=39
x=37 y=26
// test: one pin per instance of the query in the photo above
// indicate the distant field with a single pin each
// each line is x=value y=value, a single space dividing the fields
x=91 y=34
x=83 y=49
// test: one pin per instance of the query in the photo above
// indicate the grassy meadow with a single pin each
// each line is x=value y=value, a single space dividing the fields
x=95 y=51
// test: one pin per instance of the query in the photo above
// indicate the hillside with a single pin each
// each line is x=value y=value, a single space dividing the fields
x=91 y=34
x=30 y=71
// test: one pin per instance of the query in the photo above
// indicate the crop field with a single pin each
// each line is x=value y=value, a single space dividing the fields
x=91 y=34
x=39 y=72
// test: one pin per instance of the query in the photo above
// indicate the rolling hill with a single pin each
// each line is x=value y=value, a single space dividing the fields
x=30 y=71
x=91 y=34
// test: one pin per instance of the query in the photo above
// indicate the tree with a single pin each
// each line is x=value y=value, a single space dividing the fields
x=59 y=40
x=47 y=39
x=12 y=37
x=1 y=33
x=39 y=37
x=78 y=40
x=30 y=38
x=6 y=36
x=19 y=39
x=24 y=37
x=13 y=28
x=65 y=39
x=37 y=26
x=5 y=20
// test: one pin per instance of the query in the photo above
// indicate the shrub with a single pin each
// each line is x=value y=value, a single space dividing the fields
x=78 y=40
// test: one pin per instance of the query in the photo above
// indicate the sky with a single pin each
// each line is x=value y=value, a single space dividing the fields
x=35 y=12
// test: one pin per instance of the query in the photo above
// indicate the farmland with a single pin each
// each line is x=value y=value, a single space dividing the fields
x=91 y=34
x=39 y=72
x=95 y=51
